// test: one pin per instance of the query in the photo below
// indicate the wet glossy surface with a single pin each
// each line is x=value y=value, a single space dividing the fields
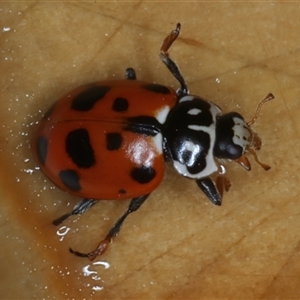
x=178 y=245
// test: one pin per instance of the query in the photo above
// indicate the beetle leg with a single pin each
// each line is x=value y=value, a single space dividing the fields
x=244 y=162
x=81 y=207
x=210 y=189
x=170 y=39
x=264 y=166
x=103 y=245
x=130 y=74
x=171 y=65
x=223 y=184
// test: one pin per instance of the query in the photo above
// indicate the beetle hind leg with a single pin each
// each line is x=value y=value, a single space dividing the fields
x=103 y=245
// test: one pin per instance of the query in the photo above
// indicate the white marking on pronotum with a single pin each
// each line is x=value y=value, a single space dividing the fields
x=186 y=98
x=194 y=149
x=194 y=111
x=211 y=166
x=197 y=127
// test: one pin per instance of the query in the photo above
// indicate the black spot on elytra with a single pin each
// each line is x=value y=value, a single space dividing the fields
x=143 y=174
x=120 y=105
x=79 y=148
x=70 y=179
x=122 y=191
x=42 y=149
x=156 y=88
x=113 y=141
x=88 y=98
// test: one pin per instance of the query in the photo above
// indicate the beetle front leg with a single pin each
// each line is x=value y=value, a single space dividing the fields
x=214 y=191
x=244 y=162
x=171 y=65
x=223 y=184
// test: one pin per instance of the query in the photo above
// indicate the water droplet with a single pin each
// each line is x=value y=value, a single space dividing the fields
x=105 y=264
x=97 y=288
x=93 y=273
x=222 y=170
x=87 y=272
x=62 y=231
x=29 y=171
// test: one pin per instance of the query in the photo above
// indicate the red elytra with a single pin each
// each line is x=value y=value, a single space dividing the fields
x=90 y=133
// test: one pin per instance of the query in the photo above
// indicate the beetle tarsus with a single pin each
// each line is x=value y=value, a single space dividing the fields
x=134 y=205
x=81 y=207
x=101 y=248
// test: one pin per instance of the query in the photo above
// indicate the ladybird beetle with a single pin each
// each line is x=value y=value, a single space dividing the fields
x=111 y=139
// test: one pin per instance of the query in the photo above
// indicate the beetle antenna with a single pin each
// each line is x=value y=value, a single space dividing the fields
x=171 y=65
x=269 y=97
